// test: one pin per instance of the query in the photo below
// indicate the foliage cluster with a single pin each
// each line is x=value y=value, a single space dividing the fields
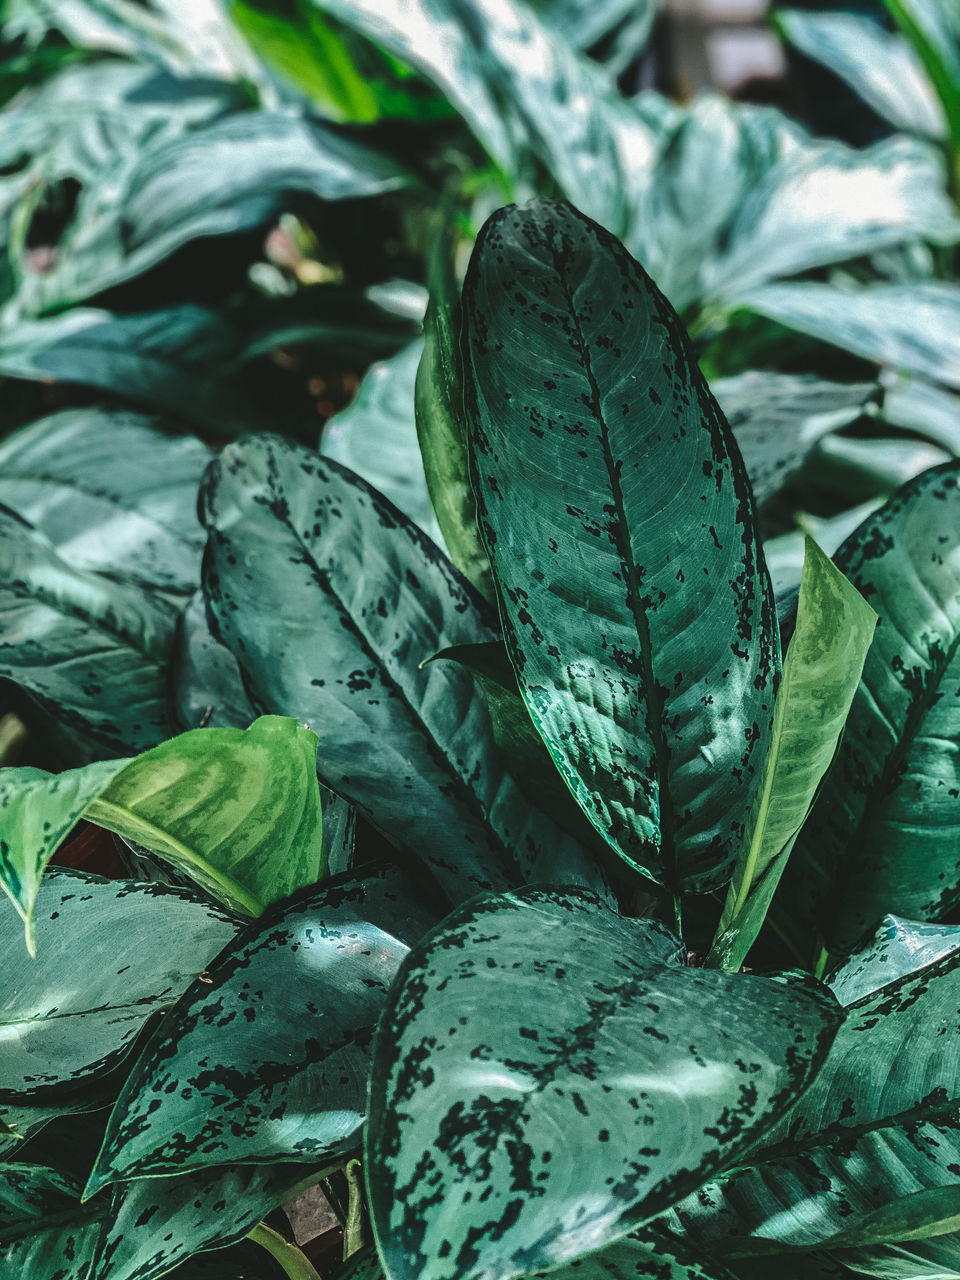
x=461 y=752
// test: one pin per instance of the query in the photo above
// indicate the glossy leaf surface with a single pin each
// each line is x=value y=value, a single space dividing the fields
x=821 y=674
x=585 y=1024
x=883 y=835
x=109 y=954
x=412 y=748
x=617 y=514
x=265 y=1062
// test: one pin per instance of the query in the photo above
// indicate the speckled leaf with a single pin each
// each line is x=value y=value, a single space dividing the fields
x=777 y=419
x=412 y=748
x=870 y=1153
x=878 y=65
x=883 y=835
x=441 y=428
x=156 y=1223
x=544 y=1013
x=265 y=1063
x=29 y=1193
x=615 y=507
x=897 y=948
x=910 y=326
x=237 y=810
x=376 y=436
x=821 y=673
x=93 y=651
x=179 y=360
x=57 y=1251
x=206 y=687
x=109 y=954
x=112 y=491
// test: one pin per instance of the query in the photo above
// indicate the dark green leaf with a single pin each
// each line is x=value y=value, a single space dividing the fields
x=619 y=521
x=112 y=492
x=778 y=418
x=821 y=673
x=538 y=1014
x=909 y=326
x=179 y=360
x=266 y=1062
x=205 y=681
x=29 y=1193
x=109 y=954
x=92 y=650
x=883 y=834
x=412 y=748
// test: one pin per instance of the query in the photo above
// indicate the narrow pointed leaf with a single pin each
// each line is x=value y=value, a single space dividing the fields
x=614 y=505
x=539 y=1013
x=266 y=1062
x=821 y=673
x=441 y=426
x=882 y=837
x=412 y=748
x=109 y=954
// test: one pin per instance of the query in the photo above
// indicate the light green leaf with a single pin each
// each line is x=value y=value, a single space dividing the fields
x=778 y=418
x=109 y=955
x=376 y=436
x=882 y=837
x=536 y=1014
x=411 y=747
x=913 y=327
x=178 y=360
x=441 y=427
x=113 y=492
x=619 y=522
x=267 y=1062
x=882 y=68
x=897 y=948
x=821 y=673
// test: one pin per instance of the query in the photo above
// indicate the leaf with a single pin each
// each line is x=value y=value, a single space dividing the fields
x=933 y=30
x=266 y=1062
x=412 y=748
x=898 y=948
x=540 y=1013
x=109 y=955
x=441 y=425
x=778 y=418
x=205 y=682
x=869 y=1153
x=178 y=360
x=912 y=327
x=821 y=673
x=880 y=67
x=112 y=491
x=28 y=1193
x=91 y=650
x=157 y=1223
x=917 y=405
x=882 y=837
x=236 y=809
x=376 y=437
x=870 y=467
x=637 y=609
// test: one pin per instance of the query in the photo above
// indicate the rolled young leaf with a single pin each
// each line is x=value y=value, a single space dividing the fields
x=548 y=1074
x=614 y=505
x=821 y=673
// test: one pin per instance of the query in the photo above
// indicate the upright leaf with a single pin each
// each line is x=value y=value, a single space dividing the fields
x=619 y=522
x=536 y=1014
x=883 y=834
x=265 y=1063
x=821 y=673
x=411 y=747
x=933 y=29
x=109 y=955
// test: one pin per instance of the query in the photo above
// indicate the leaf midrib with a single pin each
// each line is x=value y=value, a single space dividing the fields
x=628 y=565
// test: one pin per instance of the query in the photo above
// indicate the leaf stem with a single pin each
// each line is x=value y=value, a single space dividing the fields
x=355 y=1227
x=678 y=913
x=823 y=959
x=290 y=1258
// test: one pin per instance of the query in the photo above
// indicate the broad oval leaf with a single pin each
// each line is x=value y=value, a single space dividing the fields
x=884 y=832
x=110 y=954
x=412 y=748
x=268 y=1060
x=637 y=608
x=547 y=1073
x=112 y=491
